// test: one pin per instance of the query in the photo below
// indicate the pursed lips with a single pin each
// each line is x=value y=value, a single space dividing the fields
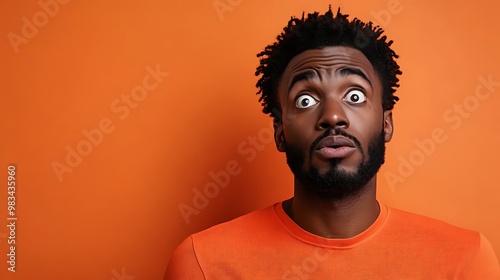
x=335 y=146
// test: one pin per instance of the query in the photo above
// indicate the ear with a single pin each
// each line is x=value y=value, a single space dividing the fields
x=388 y=125
x=279 y=137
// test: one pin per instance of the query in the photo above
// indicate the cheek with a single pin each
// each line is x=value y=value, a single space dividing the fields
x=365 y=128
x=299 y=129
x=295 y=134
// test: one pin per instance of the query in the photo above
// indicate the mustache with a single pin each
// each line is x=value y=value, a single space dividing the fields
x=335 y=131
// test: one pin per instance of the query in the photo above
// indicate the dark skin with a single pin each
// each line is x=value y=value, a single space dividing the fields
x=323 y=89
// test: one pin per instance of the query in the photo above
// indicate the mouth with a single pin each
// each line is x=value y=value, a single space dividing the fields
x=335 y=147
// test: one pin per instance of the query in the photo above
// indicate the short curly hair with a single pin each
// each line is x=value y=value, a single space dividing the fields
x=319 y=31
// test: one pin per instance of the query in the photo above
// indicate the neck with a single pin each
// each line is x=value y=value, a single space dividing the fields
x=331 y=218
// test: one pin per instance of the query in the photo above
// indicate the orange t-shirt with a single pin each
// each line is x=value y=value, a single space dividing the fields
x=267 y=244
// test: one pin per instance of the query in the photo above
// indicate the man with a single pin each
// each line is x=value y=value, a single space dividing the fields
x=329 y=84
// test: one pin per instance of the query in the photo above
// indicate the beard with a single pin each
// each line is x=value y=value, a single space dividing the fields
x=336 y=183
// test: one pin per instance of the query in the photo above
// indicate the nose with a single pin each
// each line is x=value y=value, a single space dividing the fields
x=332 y=116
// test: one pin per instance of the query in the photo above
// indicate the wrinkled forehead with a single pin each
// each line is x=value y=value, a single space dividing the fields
x=326 y=61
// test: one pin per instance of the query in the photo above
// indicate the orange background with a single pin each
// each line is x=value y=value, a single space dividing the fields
x=116 y=214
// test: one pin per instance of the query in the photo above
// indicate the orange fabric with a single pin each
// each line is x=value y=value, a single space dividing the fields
x=267 y=244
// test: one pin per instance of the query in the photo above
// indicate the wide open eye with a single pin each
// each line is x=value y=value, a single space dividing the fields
x=355 y=96
x=305 y=101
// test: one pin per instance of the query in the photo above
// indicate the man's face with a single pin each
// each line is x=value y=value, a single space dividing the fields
x=333 y=127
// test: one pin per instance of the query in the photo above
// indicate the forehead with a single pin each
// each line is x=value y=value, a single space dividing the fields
x=327 y=60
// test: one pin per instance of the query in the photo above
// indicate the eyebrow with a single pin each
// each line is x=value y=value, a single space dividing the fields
x=304 y=76
x=354 y=71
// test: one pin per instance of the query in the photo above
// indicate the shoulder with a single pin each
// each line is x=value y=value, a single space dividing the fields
x=462 y=249
x=251 y=225
x=183 y=263
x=432 y=232
x=220 y=244
x=413 y=222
